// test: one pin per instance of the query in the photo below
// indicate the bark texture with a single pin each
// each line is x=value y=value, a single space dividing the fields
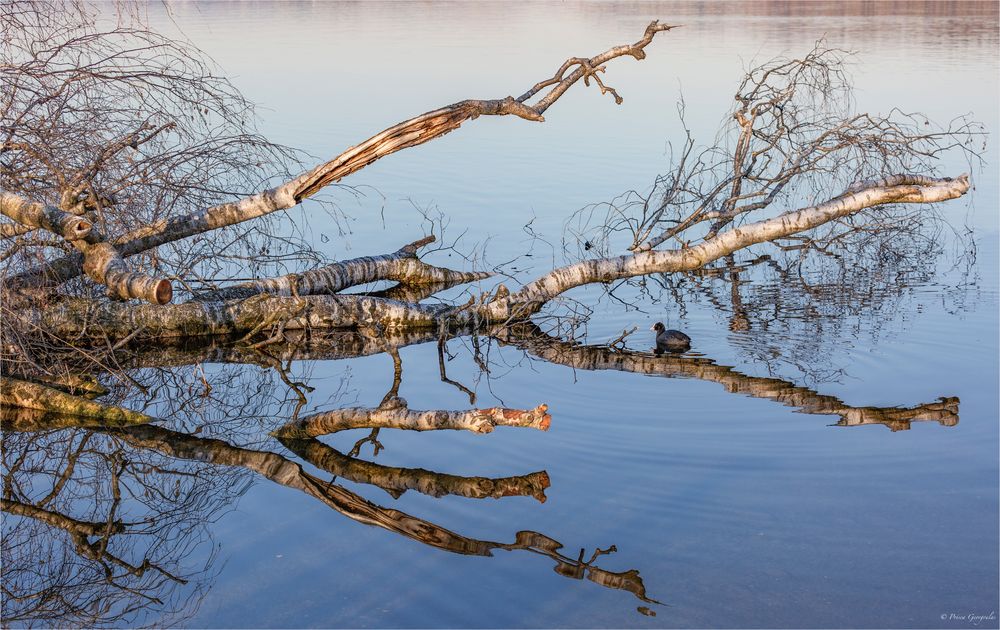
x=38 y=215
x=395 y=415
x=914 y=189
x=403 y=266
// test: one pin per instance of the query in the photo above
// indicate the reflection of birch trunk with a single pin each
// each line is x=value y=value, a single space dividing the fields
x=74 y=527
x=18 y=393
x=287 y=473
x=396 y=481
x=330 y=345
x=580 y=357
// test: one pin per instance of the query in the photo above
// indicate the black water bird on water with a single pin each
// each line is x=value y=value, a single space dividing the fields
x=670 y=340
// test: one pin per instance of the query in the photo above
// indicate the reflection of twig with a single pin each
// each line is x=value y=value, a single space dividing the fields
x=371 y=439
x=442 y=349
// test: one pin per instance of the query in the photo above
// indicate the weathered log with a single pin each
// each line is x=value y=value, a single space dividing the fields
x=397 y=416
x=533 y=295
x=401 y=266
x=18 y=393
x=74 y=317
x=396 y=481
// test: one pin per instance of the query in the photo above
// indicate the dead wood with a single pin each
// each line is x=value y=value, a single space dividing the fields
x=409 y=133
x=396 y=415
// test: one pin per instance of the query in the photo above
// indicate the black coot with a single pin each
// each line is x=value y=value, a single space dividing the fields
x=670 y=340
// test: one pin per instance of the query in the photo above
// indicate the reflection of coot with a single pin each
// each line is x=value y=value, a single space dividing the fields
x=670 y=340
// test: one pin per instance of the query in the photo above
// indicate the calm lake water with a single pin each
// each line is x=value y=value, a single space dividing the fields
x=725 y=506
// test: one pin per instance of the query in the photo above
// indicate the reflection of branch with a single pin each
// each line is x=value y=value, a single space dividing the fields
x=442 y=349
x=18 y=393
x=80 y=532
x=576 y=569
x=320 y=345
x=97 y=536
x=287 y=473
x=396 y=415
x=414 y=292
x=29 y=420
x=75 y=527
x=530 y=338
x=396 y=481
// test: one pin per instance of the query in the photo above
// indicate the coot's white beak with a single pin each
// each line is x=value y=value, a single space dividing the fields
x=653 y=327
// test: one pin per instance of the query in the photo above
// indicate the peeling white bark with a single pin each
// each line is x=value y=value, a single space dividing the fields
x=38 y=215
x=398 y=416
x=914 y=189
x=401 y=266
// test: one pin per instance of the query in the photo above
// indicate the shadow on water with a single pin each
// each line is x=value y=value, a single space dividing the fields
x=112 y=526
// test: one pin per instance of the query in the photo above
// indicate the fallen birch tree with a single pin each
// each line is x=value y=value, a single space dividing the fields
x=799 y=160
